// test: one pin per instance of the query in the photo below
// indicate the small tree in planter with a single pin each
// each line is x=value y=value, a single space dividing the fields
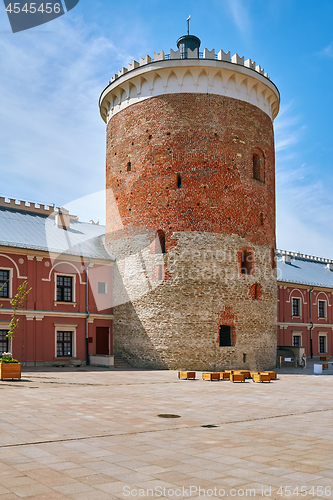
x=10 y=367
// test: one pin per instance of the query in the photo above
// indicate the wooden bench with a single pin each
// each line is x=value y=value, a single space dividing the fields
x=224 y=375
x=186 y=375
x=246 y=373
x=211 y=376
x=261 y=377
x=325 y=358
x=325 y=366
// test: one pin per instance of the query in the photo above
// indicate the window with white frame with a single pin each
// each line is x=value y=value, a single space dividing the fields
x=296 y=307
x=4 y=341
x=321 y=308
x=64 y=288
x=297 y=340
x=64 y=344
x=322 y=343
x=65 y=340
x=5 y=283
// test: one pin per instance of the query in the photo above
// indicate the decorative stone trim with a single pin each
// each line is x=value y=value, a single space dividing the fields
x=234 y=79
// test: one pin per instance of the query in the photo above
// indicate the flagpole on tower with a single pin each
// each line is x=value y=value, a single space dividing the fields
x=188 y=24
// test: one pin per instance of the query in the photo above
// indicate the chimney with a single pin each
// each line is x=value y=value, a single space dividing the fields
x=63 y=219
x=286 y=258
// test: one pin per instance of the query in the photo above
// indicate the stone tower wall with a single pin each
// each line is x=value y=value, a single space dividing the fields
x=169 y=307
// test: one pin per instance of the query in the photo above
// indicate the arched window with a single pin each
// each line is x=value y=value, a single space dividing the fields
x=160 y=242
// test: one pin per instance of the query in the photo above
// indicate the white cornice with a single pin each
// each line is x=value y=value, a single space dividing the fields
x=31 y=314
x=198 y=76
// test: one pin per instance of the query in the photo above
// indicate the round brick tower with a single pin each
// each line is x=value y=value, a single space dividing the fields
x=190 y=183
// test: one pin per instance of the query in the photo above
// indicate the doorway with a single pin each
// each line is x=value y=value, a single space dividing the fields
x=102 y=340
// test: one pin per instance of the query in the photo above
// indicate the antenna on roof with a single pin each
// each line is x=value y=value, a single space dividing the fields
x=188 y=24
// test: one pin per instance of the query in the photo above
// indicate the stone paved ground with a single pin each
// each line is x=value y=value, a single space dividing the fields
x=91 y=434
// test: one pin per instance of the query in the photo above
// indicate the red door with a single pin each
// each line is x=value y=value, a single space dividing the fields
x=102 y=340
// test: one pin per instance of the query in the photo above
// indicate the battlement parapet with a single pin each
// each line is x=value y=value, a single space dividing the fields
x=192 y=54
x=299 y=255
x=35 y=208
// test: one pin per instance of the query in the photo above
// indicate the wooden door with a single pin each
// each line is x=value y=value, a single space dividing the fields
x=102 y=340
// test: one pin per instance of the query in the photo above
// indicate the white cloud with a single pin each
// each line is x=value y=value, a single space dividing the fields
x=240 y=15
x=327 y=51
x=52 y=137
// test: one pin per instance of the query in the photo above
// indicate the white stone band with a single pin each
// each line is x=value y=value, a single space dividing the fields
x=198 y=76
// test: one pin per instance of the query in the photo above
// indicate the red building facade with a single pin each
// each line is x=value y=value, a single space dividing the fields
x=67 y=317
x=305 y=312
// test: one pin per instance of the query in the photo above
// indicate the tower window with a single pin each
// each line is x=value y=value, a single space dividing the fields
x=179 y=181
x=261 y=219
x=246 y=262
x=129 y=166
x=256 y=167
x=258 y=164
x=225 y=336
x=160 y=242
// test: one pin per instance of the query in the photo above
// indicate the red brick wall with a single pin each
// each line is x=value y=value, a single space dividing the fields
x=210 y=141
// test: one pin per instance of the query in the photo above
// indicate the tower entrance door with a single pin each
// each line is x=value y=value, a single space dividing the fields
x=102 y=340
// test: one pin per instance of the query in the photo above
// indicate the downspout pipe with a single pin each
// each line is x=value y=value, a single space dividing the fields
x=310 y=317
x=87 y=312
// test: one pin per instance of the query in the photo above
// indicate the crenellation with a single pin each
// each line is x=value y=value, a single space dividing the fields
x=159 y=56
x=237 y=60
x=192 y=54
x=174 y=54
x=133 y=65
x=223 y=56
x=250 y=64
x=122 y=71
x=145 y=60
x=260 y=70
x=209 y=54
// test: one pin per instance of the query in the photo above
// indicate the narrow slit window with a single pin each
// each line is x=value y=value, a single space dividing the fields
x=160 y=242
x=256 y=167
x=179 y=181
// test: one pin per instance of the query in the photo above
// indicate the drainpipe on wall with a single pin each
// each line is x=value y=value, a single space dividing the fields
x=310 y=316
x=88 y=314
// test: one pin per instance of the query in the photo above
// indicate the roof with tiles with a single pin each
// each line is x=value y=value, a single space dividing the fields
x=35 y=229
x=304 y=269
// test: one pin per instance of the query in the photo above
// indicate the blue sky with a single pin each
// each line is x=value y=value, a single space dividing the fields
x=52 y=139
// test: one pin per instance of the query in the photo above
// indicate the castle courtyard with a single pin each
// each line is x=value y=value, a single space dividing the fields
x=88 y=433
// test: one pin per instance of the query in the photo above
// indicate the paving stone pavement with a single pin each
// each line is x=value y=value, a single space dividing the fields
x=90 y=434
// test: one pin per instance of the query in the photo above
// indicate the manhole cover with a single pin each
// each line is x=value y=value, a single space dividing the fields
x=209 y=426
x=168 y=415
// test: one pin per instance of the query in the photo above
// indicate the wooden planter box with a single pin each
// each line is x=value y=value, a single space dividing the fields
x=224 y=375
x=186 y=375
x=10 y=370
x=211 y=376
x=261 y=377
x=237 y=377
x=324 y=358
